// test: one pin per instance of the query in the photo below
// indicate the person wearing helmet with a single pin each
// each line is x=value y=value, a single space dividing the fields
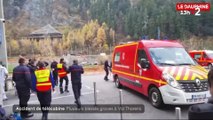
x=62 y=73
x=43 y=85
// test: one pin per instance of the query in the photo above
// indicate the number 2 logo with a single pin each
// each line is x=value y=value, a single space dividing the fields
x=197 y=13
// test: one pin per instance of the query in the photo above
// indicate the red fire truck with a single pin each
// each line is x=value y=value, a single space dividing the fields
x=203 y=57
x=160 y=70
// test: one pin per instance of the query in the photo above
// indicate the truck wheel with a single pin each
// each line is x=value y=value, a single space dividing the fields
x=209 y=66
x=117 y=83
x=155 y=97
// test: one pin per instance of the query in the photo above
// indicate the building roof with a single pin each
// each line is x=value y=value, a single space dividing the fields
x=47 y=30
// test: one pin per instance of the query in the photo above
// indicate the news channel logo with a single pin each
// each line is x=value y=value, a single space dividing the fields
x=195 y=8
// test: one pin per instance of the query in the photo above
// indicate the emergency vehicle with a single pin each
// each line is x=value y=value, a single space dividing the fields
x=203 y=57
x=161 y=70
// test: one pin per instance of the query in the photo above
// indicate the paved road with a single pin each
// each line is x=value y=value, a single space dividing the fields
x=107 y=94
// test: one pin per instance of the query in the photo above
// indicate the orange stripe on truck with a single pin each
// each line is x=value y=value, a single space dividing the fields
x=190 y=75
x=176 y=72
x=186 y=73
x=183 y=73
x=199 y=74
x=180 y=70
x=186 y=77
x=129 y=44
x=194 y=76
x=136 y=52
x=173 y=70
x=144 y=78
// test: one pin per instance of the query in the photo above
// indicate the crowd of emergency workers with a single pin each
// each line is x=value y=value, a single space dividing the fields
x=40 y=78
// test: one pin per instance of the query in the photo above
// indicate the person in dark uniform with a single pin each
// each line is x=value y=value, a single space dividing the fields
x=43 y=82
x=62 y=73
x=106 y=68
x=32 y=66
x=55 y=71
x=22 y=78
x=203 y=111
x=46 y=63
x=76 y=71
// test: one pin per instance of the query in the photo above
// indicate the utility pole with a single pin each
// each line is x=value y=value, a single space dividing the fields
x=3 y=47
x=158 y=33
x=113 y=39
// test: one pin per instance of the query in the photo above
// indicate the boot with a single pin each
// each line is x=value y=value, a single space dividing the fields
x=66 y=89
x=61 y=90
x=26 y=115
x=44 y=116
x=78 y=102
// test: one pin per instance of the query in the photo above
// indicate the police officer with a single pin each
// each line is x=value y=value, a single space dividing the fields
x=31 y=65
x=62 y=73
x=76 y=71
x=22 y=79
x=43 y=83
x=55 y=71
x=203 y=111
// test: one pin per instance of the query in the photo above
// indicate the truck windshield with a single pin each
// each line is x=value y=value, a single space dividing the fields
x=170 y=56
x=210 y=54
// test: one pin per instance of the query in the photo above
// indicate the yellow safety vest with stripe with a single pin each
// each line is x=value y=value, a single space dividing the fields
x=43 y=82
x=61 y=71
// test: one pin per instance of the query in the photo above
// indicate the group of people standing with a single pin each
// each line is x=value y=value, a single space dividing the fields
x=38 y=78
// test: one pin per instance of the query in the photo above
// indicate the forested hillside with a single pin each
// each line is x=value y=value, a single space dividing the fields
x=145 y=17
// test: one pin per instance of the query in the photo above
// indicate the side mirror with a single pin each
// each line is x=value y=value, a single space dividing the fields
x=144 y=63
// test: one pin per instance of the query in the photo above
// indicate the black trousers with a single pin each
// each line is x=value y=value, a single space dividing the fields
x=61 y=83
x=24 y=96
x=45 y=100
x=107 y=73
x=76 y=87
x=55 y=77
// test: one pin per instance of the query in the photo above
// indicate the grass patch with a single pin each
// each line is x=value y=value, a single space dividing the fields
x=93 y=68
x=10 y=68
